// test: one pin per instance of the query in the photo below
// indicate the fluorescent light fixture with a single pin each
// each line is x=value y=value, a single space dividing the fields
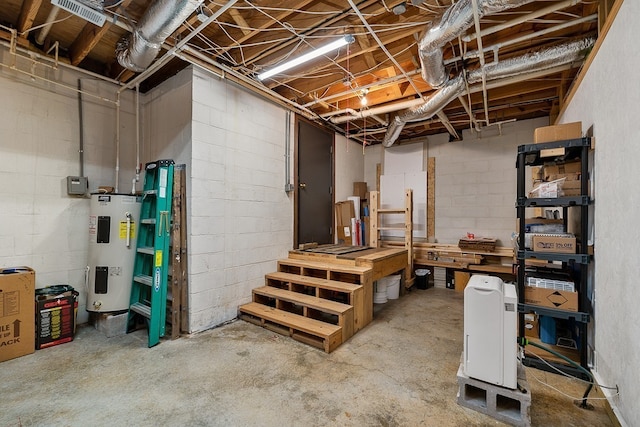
x=82 y=10
x=307 y=56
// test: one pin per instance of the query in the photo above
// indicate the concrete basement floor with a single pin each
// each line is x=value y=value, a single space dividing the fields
x=398 y=371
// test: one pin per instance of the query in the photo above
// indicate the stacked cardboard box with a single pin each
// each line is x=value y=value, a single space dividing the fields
x=556 y=133
x=565 y=177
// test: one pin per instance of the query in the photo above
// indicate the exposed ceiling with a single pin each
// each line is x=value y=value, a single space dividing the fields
x=239 y=39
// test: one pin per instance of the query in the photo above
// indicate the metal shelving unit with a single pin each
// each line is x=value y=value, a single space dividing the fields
x=574 y=265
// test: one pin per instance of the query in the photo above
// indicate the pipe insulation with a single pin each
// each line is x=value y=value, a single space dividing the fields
x=531 y=62
x=453 y=22
x=138 y=50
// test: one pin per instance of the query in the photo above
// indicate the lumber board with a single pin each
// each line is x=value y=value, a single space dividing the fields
x=431 y=197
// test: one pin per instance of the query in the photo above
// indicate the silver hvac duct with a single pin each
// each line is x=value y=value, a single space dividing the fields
x=455 y=21
x=528 y=63
x=138 y=50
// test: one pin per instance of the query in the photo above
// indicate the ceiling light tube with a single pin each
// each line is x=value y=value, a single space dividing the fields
x=307 y=56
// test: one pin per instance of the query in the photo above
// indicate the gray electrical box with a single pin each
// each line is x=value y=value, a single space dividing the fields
x=77 y=185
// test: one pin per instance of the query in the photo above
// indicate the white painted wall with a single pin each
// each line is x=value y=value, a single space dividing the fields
x=167 y=121
x=349 y=166
x=241 y=217
x=475 y=179
x=609 y=100
x=40 y=225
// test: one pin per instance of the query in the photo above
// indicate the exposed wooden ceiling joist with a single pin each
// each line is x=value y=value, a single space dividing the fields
x=251 y=36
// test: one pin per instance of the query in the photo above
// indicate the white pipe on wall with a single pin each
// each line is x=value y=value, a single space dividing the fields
x=46 y=27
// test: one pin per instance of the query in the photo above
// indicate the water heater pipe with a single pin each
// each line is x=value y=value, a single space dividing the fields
x=81 y=125
x=117 y=140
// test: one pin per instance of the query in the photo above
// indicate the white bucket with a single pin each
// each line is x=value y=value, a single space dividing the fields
x=393 y=287
x=380 y=296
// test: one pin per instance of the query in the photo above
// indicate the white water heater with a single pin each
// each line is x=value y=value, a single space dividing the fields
x=490 y=323
x=113 y=227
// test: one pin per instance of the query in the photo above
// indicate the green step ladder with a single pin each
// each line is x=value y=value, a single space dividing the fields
x=148 y=301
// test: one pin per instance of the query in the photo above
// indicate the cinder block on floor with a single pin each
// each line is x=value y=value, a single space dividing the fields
x=503 y=404
x=112 y=324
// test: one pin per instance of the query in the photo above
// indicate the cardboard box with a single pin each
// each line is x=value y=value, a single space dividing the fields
x=537 y=174
x=562 y=170
x=562 y=300
x=17 y=329
x=554 y=243
x=557 y=133
x=360 y=189
x=571 y=188
x=531 y=326
x=344 y=212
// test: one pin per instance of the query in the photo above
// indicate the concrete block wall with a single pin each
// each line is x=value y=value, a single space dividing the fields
x=476 y=181
x=241 y=217
x=167 y=125
x=608 y=102
x=40 y=225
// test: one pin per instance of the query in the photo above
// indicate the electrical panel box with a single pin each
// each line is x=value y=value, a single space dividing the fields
x=77 y=185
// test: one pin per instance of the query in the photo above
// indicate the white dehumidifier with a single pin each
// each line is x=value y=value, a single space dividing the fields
x=490 y=323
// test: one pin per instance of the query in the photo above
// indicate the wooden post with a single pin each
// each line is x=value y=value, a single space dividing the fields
x=431 y=199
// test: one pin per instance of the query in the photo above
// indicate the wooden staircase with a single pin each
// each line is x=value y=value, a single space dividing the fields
x=319 y=303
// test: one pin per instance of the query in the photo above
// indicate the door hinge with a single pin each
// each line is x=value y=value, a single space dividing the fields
x=330 y=190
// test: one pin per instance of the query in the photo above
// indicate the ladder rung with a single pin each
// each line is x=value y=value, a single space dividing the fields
x=146 y=250
x=141 y=309
x=150 y=192
x=141 y=278
x=151 y=221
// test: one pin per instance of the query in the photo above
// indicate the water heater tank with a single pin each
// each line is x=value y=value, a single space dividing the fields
x=113 y=227
x=490 y=323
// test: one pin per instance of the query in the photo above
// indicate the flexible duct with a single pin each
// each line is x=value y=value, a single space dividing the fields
x=455 y=20
x=138 y=50
x=528 y=63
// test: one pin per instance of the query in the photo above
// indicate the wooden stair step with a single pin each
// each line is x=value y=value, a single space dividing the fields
x=316 y=303
x=301 y=328
x=350 y=293
x=331 y=285
x=318 y=265
x=314 y=307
